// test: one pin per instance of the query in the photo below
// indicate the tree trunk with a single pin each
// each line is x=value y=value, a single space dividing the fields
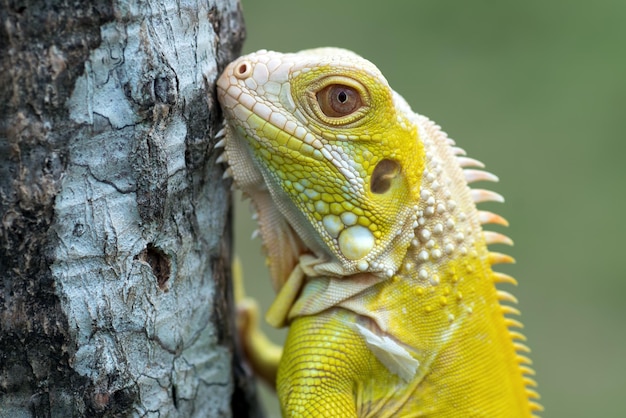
x=114 y=232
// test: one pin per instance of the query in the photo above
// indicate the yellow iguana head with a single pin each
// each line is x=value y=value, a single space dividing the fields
x=336 y=149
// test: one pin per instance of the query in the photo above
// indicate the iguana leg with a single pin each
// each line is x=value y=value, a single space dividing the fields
x=318 y=371
x=262 y=355
x=329 y=371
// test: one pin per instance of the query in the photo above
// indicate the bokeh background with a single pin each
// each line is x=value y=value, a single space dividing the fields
x=536 y=89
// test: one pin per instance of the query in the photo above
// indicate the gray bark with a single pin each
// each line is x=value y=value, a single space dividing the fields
x=114 y=233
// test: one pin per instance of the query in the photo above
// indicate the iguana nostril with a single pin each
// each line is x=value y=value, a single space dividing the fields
x=243 y=70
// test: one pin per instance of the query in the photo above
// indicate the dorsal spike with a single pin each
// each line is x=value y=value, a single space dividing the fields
x=221 y=143
x=499 y=258
x=510 y=310
x=532 y=394
x=458 y=151
x=513 y=323
x=486 y=217
x=482 y=195
x=221 y=159
x=472 y=176
x=228 y=173
x=492 y=237
x=534 y=406
x=503 y=278
x=469 y=162
x=517 y=335
x=504 y=296
x=519 y=347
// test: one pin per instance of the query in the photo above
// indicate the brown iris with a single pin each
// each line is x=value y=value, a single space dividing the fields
x=338 y=100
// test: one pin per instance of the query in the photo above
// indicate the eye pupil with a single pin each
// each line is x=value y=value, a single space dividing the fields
x=337 y=100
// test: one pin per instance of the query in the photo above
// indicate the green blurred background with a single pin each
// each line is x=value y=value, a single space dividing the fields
x=536 y=90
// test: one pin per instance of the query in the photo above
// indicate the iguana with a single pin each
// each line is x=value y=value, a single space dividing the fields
x=374 y=244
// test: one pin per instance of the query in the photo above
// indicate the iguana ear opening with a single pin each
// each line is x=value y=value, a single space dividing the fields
x=384 y=172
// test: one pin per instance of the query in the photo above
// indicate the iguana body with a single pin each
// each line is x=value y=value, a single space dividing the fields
x=374 y=244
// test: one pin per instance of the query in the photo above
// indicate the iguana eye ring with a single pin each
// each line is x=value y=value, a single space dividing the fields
x=338 y=100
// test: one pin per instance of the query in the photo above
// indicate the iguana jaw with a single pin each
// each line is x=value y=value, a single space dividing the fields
x=281 y=243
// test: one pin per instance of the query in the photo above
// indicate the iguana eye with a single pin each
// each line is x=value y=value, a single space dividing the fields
x=337 y=100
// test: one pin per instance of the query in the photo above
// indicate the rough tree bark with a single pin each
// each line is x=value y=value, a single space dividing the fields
x=114 y=238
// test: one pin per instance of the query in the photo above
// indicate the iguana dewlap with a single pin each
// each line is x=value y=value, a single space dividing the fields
x=374 y=244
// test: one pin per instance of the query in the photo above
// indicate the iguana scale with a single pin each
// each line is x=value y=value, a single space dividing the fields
x=374 y=244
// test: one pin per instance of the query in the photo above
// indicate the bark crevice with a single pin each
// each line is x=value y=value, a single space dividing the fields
x=114 y=238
